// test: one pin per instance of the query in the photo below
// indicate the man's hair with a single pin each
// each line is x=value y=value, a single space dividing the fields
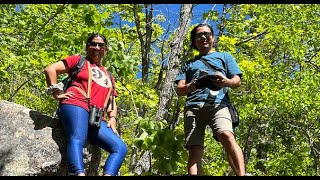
x=193 y=34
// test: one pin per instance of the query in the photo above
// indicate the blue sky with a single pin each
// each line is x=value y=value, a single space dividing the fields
x=171 y=12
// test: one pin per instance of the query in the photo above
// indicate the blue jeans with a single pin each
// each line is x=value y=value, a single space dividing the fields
x=76 y=127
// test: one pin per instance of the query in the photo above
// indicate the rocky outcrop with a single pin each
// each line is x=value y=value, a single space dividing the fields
x=33 y=144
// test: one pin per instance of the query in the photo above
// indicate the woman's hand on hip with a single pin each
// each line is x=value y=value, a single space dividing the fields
x=60 y=96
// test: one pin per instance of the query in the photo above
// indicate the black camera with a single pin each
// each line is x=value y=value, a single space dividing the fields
x=95 y=116
x=205 y=81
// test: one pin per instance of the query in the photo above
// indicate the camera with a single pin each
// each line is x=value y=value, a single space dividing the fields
x=95 y=116
x=205 y=81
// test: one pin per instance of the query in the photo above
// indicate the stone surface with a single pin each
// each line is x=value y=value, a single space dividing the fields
x=33 y=144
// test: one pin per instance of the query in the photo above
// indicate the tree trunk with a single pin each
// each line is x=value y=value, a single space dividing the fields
x=144 y=163
x=174 y=61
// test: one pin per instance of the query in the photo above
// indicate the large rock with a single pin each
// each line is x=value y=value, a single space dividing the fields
x=33 y=144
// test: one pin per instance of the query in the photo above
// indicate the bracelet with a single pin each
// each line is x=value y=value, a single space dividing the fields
x=113 y=117
x=54 y=87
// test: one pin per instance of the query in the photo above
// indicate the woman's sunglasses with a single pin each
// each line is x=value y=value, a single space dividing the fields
x=205 y=34
x=94 y=44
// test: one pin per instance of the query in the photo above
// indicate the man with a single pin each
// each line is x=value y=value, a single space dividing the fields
x=207 y=101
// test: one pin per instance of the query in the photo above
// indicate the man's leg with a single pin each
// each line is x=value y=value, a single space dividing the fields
x=194 y=129
x=234 y=152
x=194 y=161
x=223 y=132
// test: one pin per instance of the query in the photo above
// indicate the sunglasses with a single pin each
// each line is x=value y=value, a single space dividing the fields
x=205 y=34
x=94 y=44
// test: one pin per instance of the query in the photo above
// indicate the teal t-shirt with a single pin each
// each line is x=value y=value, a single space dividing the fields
x=220 y=61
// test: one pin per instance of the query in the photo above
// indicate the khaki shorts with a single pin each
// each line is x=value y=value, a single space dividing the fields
x=196 y=119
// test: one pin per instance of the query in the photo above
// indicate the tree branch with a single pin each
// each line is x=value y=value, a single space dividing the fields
x=250 y=38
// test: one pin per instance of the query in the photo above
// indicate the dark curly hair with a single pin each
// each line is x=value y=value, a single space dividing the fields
x=93 y=35
x=193 y=34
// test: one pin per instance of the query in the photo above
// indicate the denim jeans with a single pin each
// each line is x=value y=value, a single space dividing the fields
x=75 y=122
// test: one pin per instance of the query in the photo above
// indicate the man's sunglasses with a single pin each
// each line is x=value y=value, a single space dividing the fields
x=97 y=44
x=205 y=34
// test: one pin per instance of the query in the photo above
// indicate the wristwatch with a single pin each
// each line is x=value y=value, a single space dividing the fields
x=190 y=88
x=51 y=89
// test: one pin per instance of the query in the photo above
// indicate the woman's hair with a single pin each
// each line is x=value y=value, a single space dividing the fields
x=193 y=34
x=93 y=35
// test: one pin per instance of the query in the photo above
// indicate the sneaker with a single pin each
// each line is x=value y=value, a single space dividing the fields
x=247 y=174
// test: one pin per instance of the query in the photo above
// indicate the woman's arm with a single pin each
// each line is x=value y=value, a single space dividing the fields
x=51 y=72
x=112 y=114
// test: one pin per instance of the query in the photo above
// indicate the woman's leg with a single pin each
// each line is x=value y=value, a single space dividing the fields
x=75 y=122
x=106 y=139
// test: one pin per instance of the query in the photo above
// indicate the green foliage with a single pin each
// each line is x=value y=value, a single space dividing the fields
x=166 y=146
x=275 y=45
x=279 y=98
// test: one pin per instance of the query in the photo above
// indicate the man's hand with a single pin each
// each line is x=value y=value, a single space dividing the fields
x=202 y=82
x=207 y=81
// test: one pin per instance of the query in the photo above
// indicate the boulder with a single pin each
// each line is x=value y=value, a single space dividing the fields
x=33 y=144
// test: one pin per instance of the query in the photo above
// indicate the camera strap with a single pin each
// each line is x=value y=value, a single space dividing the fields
x=214 y=69
x=89 y=88
x=232 y=108
x=210 y=66
x=109 y=92
x=89 y=85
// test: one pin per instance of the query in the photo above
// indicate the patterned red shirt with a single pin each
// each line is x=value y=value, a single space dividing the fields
x=99 y=88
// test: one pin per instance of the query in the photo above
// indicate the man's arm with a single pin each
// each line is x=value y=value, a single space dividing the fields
x=183 y=89
x=223 y=81
x=234 y=82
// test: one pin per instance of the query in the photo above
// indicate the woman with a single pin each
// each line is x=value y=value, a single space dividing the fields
x=82 y=100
